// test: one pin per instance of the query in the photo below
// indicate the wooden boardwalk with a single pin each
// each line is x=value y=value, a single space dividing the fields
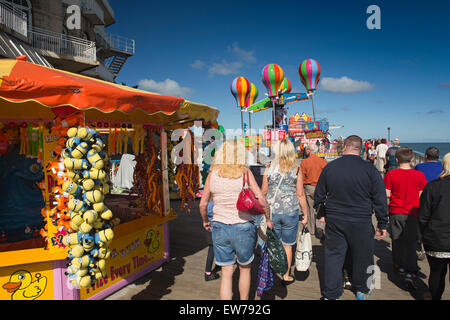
x=183 y=277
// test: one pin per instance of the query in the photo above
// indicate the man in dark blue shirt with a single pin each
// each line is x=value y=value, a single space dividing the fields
x=350 y=190
x=432 y=167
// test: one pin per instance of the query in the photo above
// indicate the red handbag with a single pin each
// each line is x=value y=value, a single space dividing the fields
x=247 y=201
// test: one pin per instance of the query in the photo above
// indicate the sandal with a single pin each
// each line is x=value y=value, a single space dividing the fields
x=287 y=282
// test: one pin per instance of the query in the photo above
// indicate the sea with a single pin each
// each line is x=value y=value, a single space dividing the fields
x=444 y=147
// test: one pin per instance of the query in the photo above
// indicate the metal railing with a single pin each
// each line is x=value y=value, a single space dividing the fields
x=13 y=18
x=63 y=44
x=418 y=158
x=115 y=42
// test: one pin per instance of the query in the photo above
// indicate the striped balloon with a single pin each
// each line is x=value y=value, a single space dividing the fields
x=252 y=96
x=310 y=74
x=286 y=84
x=240 y=88
x=272 y=77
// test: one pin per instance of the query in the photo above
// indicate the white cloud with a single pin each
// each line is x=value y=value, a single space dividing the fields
x=237 y=58
x=241 y=54
x=198 y=64
x=345 y=85
x=168 y=87
x=225 y=68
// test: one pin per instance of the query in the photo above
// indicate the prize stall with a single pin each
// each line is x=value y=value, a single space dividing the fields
x=84 y=204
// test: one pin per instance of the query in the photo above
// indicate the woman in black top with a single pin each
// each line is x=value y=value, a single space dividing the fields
x=434 y=223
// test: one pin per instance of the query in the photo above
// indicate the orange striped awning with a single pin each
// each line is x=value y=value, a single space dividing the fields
x=24 y=82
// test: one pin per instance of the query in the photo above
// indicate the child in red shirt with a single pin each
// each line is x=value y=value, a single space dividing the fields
x=404 y=187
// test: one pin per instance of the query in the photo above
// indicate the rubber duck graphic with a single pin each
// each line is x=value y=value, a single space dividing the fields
x=22 y=286
x=152 y=240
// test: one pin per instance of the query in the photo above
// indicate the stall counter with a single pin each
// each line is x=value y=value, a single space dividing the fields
x=139 y=246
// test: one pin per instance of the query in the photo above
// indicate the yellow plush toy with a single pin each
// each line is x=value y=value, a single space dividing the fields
x=88 y=184
x=94 y=174
x=80 y=151
x=72 y=188
x=99 y=207
x=73 y=175
x=76 y=220
x=107 y=215
x=76 y=251
x=76 y=205
x=92 y=197
x=76 y=164
x=94 y=159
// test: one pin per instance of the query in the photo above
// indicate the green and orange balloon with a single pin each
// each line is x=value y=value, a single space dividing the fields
x=272 y=77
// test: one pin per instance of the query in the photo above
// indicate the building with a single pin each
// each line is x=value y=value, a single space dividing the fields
x=65 y=34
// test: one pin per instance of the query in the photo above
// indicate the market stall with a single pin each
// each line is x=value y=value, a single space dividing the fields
x=38 y=106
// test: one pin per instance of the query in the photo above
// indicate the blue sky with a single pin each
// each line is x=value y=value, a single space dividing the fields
x=396 y=77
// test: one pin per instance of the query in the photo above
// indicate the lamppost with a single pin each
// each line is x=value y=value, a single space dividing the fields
x=389 y=134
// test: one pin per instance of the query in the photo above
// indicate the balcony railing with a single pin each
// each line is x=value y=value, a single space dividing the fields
x=115 y=42
x=62 y=44
x=13 y=18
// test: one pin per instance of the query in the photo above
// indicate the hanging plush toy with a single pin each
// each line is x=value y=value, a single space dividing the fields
x=85 y=161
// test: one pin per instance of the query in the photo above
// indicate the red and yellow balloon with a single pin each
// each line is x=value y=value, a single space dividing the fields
x=252 y=96
x=240 y=88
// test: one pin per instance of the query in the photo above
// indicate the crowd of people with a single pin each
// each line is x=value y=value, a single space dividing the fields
x=336 y=201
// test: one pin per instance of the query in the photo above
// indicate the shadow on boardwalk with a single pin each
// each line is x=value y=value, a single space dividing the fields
x=183 y=277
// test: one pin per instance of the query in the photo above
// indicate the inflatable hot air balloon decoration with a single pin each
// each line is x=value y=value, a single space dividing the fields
x=252 y=96
x=272 y=77
x=310 y=74
x=240 y=88
x=286 y=85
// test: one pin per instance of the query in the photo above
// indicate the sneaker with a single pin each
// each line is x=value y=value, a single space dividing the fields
x=323 y=298
x=399 y=270
x=410 y=281
x=347 y=285
x=363 y=296
x=212 y=276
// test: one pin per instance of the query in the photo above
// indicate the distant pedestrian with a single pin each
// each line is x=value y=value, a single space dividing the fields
x=233 y=231
x=434 y=223
x=404 y=187
x=381 y=148
x=283 y=186
x=311 y=168
x=350 y=189
x=391 y=160
x=372 y=154
x=432 y=167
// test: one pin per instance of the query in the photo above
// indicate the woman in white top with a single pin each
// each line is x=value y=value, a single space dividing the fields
x=283 y=187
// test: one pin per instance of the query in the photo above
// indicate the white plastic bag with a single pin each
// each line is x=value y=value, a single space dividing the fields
x=304 y=253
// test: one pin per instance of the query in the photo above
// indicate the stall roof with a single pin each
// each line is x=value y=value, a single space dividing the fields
x=31 y=87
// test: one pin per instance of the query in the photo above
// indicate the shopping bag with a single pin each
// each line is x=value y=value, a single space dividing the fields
x=265 y=274
x=277 y=255
x=262 y=228
x=304 y=253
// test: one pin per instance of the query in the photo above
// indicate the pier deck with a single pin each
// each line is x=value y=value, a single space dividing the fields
x=183 y=277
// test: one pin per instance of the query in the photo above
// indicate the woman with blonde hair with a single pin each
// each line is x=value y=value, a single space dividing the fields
x=283 y=187
x=233 y=231
x=434 y=224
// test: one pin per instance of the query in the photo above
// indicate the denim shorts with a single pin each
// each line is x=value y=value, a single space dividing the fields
x=285 y=227
x=231 y=241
